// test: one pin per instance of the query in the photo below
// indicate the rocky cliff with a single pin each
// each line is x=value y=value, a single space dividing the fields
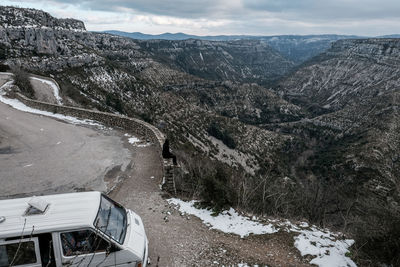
x=297 y=48
x=242 y=60
x=349 y=72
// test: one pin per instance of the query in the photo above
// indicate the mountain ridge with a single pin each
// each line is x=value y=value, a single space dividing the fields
x=184 y=36
x=297 y=48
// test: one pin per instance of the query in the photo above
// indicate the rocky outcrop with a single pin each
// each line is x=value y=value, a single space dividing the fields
x=12 y=17
x=57 y=44
x=242 y=60
x=350 y=72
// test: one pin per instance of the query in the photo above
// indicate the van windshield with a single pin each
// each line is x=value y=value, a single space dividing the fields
x=111 y=219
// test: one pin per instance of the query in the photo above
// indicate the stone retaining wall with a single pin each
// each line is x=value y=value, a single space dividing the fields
x=135 y=126
x=132 y=125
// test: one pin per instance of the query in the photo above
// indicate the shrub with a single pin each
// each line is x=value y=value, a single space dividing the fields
x=4 y=68
x=21 y=79
x=3 y=52
x=223 y=135
x=215 y=190
x=72 y=92
x=377 y=234
x=113 y=101
x=205 y=179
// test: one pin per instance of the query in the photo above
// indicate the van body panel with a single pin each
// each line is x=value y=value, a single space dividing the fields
x=57 y=248
x=136 y=239
x=70 y=213
x=101 y=259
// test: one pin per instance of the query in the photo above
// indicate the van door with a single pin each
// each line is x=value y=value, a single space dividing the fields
x=88 y=248
x=20 y=252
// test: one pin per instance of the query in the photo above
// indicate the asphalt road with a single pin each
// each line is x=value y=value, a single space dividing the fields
x=42 y=155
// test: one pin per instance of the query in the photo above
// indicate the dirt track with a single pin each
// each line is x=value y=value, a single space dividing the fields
x=185 y=240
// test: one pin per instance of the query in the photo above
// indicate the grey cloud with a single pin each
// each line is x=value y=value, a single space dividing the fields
x=329 y=9
x=276 y=6
x=174 y=8
x=363 y=17
x=305 y=10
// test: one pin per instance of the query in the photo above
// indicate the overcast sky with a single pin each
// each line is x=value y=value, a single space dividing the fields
x=213 y=17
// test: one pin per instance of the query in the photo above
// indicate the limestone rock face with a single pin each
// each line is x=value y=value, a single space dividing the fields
x=12 y=17
x=241 y=60
x=30 y=32
x=349 y=72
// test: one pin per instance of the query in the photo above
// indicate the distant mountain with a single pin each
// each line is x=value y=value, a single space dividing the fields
x=300 y=48
x=297 y=48
x=180 y=36
x=143 y=36
x=390 y=36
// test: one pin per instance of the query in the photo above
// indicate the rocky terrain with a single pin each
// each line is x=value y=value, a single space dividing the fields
x=319 y=141
x=242 y=60
x=297 y=48
x=349 y=72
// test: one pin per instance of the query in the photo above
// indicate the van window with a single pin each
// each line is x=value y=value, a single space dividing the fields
x=82 y=242
x=18 y=252
x=111 y=219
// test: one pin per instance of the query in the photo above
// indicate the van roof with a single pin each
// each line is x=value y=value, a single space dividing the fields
x=65 y=211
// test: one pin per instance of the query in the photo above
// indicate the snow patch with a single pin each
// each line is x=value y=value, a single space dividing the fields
x=22 y=107
x=329 y=251
x=228 y=221
x=136 y=141
x=201 y=56
x=133 y=140
x=327 y=247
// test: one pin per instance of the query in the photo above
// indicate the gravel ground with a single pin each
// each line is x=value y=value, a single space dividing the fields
x=176 y=240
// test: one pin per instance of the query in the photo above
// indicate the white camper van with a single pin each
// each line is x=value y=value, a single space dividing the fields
x=77 y=229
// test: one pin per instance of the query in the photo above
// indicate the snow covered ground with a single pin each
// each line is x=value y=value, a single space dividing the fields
x=329 y=251
x=136 y=141
x=228 y=221
x=22 y=107
x=327 y=247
